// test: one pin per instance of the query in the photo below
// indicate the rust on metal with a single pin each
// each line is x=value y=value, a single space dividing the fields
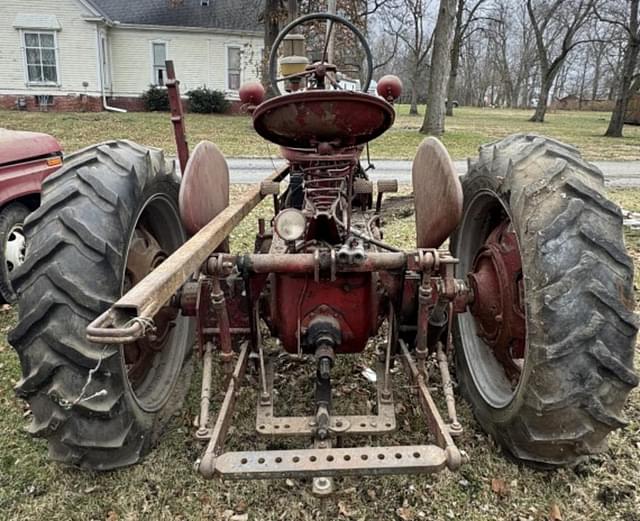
x=204 y=187
x=498 y=288
x=430 y=411
x=145 y=299
x=358 y=461
x=177 y=115
x=223 y=420
x=307 y=119
x=268 y=424
x=437 y=194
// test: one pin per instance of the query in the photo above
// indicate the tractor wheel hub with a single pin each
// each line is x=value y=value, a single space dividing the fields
x=498 y=305
x=145 y=254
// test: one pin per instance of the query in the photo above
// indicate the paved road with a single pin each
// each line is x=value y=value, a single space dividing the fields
x=617 y=173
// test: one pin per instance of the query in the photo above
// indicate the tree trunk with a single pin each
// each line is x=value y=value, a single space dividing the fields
x=541 y=108
x=616 y=124
x=292 y=10
x=413 y=109
x=271 y=29
x=440 y=67
x=596 y=75
x=455 y=58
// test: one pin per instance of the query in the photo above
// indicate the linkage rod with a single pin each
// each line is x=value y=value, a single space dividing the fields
x=146 y=298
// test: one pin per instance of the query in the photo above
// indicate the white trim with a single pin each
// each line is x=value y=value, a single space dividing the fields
x=179 y=28
x=228 y=46
x=23 y=50
x=152 y=58
x=91 y=8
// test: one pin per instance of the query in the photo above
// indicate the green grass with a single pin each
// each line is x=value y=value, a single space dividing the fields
x=469 y=128
x=165 y=486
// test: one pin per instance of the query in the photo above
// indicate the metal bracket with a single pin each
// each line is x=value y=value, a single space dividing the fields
x=267 y=424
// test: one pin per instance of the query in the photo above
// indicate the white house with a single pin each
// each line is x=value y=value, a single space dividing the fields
x=92 y=54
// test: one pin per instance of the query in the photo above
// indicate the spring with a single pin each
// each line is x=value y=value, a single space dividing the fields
x=326 y=183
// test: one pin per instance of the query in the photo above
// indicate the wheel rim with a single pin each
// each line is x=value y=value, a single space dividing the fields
x=152 y=366
x=15 y=247
x=493 y=333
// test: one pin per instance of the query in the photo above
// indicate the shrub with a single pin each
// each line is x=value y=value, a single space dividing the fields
x=156 y=98
x=207 y=101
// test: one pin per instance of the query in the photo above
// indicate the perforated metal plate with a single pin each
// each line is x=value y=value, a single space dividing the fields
x=273 y=464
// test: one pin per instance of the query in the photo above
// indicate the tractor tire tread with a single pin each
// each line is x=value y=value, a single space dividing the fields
x=579 y=283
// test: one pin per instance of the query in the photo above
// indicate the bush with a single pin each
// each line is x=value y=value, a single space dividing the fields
x=207 y=101
x=156 y=98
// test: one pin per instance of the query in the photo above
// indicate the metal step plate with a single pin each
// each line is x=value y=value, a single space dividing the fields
x=275 y=464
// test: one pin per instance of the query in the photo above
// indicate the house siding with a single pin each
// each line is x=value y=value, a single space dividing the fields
x=76 y=49
x=199 y=58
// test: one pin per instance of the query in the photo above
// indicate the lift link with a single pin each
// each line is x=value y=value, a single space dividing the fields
x=220 y=309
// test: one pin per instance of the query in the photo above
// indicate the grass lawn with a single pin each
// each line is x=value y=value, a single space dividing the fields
x=468 y=129
x=165 y=486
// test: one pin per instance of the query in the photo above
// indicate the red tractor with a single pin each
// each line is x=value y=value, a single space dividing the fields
x=26 y=158
x=532 y=298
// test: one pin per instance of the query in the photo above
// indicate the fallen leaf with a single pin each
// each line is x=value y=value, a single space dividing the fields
x=406 y=514
x=239 y=517
x=499 y=487
x=555 y=514
x=112 y=516
x=342 y=510
x=241 y=507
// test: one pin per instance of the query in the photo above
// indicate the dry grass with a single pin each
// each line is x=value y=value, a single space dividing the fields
x=165 y=485
x=469 y=128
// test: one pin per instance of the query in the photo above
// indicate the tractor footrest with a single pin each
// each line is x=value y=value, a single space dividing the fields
x=275 y=464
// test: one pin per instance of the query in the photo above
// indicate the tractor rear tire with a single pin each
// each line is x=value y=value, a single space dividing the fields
x=79 y=241
x=578 y=301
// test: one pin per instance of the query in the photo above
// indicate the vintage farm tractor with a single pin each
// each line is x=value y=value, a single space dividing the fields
x=532 y=298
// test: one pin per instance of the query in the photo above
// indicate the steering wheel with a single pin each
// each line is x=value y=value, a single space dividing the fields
x=331 y=20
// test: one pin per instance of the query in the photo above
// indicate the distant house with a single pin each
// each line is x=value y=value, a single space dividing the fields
x=573 y=102
x=88 y=54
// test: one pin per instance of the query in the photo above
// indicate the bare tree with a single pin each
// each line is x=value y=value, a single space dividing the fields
x=440 y=67
x=466 y=15
x=629 y=80
x=405 y=21
x=556 y=25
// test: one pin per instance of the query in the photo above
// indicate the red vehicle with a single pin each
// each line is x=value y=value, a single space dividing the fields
x=26 y=158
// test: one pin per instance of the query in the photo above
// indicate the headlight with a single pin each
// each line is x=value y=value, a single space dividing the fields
x=290 y=224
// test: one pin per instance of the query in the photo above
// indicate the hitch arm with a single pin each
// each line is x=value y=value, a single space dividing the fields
x=145 y=299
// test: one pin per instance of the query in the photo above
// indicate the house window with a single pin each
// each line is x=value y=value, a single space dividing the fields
x=233 y=68
x=40 y=57
x=159 y=56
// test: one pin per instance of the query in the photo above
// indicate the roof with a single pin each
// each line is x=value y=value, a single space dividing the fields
x=233 y=15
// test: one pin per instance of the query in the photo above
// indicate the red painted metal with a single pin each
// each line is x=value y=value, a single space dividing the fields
x=18 y=146
x=498 y=305
x=311 y=119
x=437 y=194
x=23 y=179
x=389 y=87
x=177 y=115
x=350 y=299
x=304 y=156
x=251 y=93
x=204 y=190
